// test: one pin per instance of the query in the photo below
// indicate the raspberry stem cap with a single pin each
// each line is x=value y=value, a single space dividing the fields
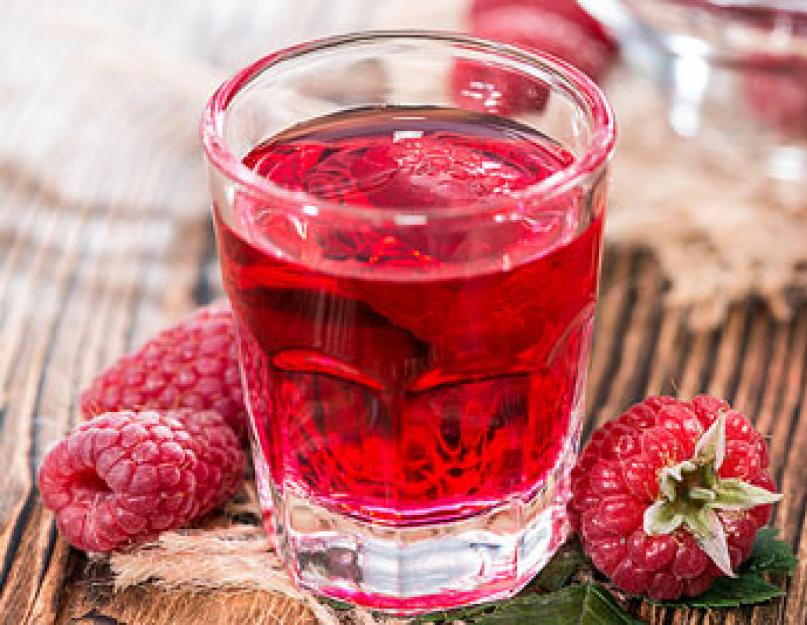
x=691 y=491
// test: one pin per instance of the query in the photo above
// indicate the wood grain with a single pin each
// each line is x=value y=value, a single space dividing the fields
x=90 y=601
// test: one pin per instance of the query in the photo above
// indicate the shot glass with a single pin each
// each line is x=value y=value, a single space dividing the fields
x=413 y=264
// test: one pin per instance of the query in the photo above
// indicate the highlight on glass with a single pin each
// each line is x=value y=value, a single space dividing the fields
x=413 y=268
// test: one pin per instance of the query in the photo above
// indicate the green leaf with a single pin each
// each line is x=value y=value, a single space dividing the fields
x=731 y=592
x=589 y=604
x=561 y=568
x=466 y=615
x=554 y=576
x=770 y=554
x=339 y=606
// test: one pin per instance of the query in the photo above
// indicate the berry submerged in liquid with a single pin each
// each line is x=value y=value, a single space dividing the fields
x=408 y=370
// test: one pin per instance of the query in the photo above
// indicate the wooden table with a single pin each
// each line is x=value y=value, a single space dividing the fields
x=51 y=345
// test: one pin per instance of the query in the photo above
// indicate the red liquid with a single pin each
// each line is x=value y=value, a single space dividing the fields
x=401 y=372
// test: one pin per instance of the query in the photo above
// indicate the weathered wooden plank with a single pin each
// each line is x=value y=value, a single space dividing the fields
x=663 y=367
x=783 y=421
x=697 y=357
x=611 y=311
x=86 y=605
x=635 y=348
x=791 y=514
x=754 y=366
x=728 y=356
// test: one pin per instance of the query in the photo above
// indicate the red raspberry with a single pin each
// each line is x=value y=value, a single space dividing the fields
x=496 y=90
x=123 y=477
x=775 y=88
x=568 y=9
x=193 y=364
x=670 y=495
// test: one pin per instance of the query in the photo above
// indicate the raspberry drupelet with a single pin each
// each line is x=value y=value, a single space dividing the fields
x=670 y=495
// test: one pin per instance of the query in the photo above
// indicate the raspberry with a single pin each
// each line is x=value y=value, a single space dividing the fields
x=641 y=487
x=478 y=87
x=123 y=477
x=497 y=90
x=775 y=88
x=193 y=364
x=568 y=9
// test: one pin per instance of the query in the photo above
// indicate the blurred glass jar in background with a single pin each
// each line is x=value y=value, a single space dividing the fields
x=733 y=73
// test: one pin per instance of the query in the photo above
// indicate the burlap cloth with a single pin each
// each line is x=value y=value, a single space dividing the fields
x=94 y=93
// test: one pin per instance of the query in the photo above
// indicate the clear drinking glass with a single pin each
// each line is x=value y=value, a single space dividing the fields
x=413 y=273
x=733 y=75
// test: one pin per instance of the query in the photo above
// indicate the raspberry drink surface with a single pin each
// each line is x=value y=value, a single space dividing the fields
x=394 y=373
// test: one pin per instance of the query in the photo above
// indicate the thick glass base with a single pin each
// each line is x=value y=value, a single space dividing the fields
x=407 y=570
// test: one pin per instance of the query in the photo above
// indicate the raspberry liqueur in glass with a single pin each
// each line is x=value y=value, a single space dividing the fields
x=414 y=287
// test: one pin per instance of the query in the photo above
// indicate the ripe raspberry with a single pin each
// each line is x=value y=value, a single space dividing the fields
x=123 y=477
x=497 y=90
x=670 y=495
x=775 y=88
x=193 y=364
x=568 y=9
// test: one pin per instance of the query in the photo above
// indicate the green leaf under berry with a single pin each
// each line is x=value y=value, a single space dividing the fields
x=588 y=604
x=732 y=592
x=464 y=615
x=337 y=606
x=770 y=554
x=561 y=568
x=591 y=604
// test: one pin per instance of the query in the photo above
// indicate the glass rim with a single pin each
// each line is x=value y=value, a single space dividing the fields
x=587 y=166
